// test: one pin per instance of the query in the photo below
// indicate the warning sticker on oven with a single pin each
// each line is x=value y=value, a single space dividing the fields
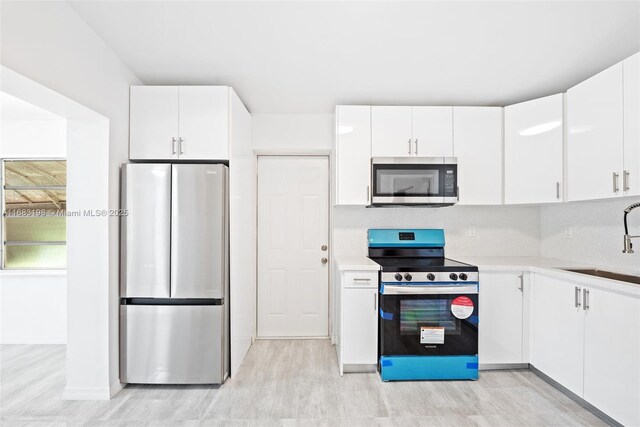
x=462 y=307
x=431 y=335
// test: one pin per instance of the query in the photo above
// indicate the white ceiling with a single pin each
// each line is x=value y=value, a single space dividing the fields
x=306 y=57
x=12 y=108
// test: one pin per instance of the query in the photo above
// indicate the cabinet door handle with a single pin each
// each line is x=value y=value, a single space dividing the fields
x=181 y=142
x=577 y=296
x=521 y=287
x=616 y=177
x=173 y=145
x=585 y=300
x=375 y=301
x=626 y=181
x=416 y=146
x=409 y=146
x=558 y=190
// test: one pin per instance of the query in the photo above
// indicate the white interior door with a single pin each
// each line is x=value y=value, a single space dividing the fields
x=293 y=216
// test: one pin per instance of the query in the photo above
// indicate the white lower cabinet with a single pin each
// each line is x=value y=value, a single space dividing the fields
x=502 y=325
x=612 y=355
x=558 y=331
x=357 y=340
x=588 y=340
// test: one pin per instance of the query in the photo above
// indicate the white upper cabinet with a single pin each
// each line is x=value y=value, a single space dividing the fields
x=153 y=128
x=391 y=133
x=411 y=131
x=353 y=154
x=631 y=173
x=595 y=136
x=432 y=131
x=204 y=122
x=477 y=135
x=179 y=122
x=533 y=150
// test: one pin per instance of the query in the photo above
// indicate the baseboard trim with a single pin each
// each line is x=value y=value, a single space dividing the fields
x=33 y=340
x=349 y=368
x=115 y=388
x=86 y=393
x=580 y=401
x=500 y=366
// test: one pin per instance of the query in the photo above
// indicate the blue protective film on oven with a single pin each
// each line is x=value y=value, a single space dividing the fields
x=386 y=316
x=423 y=238
x=410 y=368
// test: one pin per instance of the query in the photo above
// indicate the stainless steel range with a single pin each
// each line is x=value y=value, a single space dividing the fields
x=428 y=325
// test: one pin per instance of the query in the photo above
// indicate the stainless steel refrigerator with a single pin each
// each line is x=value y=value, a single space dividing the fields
x=174 y=306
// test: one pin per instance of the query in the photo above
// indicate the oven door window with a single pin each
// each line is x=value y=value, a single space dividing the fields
x=429 y=325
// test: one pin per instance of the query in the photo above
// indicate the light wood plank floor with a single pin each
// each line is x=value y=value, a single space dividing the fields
x=284 y=383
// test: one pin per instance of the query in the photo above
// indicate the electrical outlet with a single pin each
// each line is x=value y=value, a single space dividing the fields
x=568 y=232
x=472 y=231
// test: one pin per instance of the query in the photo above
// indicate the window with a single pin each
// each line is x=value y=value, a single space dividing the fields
x=34 y=204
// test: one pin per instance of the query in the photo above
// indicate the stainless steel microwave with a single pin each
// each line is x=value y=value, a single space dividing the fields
x=414 y=181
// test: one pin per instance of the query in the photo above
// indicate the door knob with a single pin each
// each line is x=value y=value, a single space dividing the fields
x=323 y=247
x=324 y=260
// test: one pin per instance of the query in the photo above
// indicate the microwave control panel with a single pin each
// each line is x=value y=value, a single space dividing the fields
x=449 y=182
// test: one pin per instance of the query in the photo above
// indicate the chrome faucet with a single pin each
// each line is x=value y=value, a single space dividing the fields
x=628 y=246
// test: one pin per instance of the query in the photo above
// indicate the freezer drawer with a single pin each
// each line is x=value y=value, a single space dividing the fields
x=173 y=344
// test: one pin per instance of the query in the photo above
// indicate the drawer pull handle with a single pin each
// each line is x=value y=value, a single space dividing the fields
x=358 y=279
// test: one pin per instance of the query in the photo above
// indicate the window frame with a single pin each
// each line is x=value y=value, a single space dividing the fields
x=3 y=232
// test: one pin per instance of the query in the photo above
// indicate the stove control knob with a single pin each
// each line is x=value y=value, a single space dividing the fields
x=408 y=277
x=463 y=276
x=398 y=277
x=431 y=276
x=453 y=276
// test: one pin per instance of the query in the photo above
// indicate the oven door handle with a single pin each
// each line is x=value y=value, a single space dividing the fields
x=429 y=290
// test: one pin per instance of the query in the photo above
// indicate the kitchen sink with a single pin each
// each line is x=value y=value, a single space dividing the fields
x=606 y=274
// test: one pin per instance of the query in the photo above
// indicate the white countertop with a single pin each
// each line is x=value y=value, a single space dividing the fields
x=542 y=265
x=518 y=262
x=359 y=263
x=554 y=267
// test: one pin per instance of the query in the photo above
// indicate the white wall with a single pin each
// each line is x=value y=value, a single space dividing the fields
x=500 y=230
x=597 y=230
x=33 y=306
x=33 y=138
x=33 y=309
x=49 y=43
x=292 y=132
